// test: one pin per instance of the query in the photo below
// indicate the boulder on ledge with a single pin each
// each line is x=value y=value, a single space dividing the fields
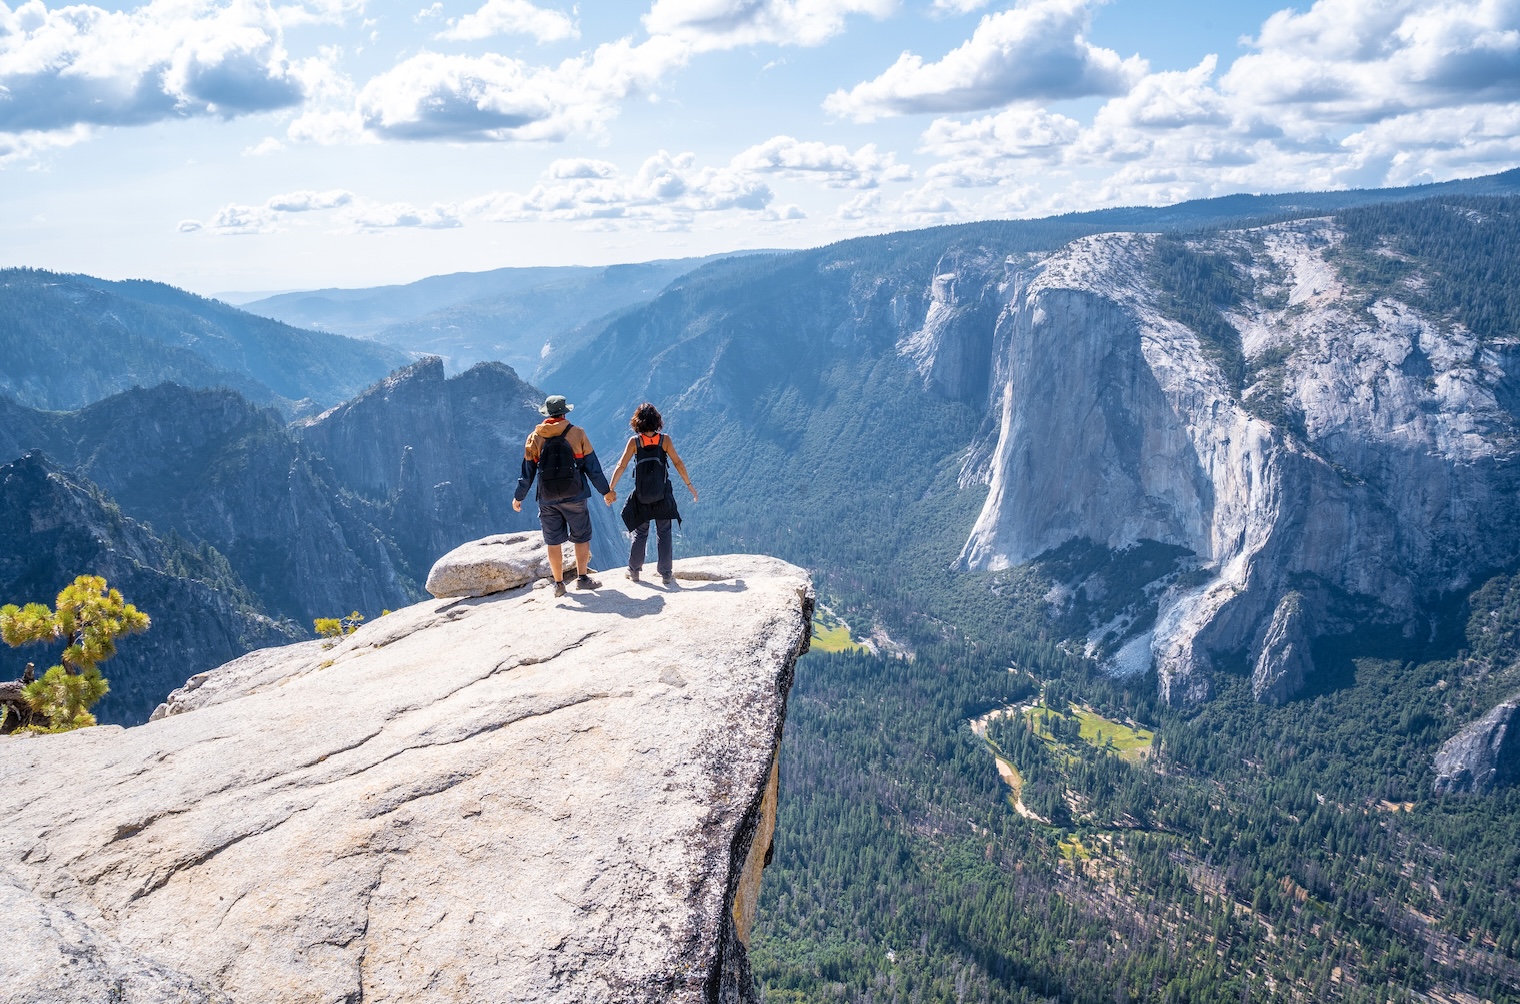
x=491 y=565
x=509 y=798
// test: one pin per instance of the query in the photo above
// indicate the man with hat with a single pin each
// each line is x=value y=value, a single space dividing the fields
x=560 y=456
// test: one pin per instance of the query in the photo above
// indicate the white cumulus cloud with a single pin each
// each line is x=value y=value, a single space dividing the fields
x=833 y=165
x=581 y=167
x=723 y=24
x=25 y=146
x=350 y=212
x=1359 y=62
x=435 y=96
x=364 y=215
x=306 y=201
x=1034 y=51
x=234 y=219
x=511 y=17
x=84 y=65
x=986 y=150
x=667 y=192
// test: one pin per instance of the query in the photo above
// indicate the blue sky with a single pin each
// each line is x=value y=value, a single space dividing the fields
x=274 y=144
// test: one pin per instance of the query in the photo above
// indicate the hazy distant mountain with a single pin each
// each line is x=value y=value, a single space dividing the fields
x=69 y=340
x=1233 y=210
x=508 y=315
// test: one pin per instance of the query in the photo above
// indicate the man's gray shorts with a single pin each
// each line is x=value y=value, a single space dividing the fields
x=564 y=521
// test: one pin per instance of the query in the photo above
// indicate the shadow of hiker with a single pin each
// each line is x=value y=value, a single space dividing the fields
x=706 y=586
x=615 y=603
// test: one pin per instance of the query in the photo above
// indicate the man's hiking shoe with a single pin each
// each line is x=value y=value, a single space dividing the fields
x=559 y=589
x=633 y=575
x=669 y=580
x=587 y=582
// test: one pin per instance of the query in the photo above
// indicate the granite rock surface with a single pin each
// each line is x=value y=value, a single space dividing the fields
x=508 y=798
x=1483 y=756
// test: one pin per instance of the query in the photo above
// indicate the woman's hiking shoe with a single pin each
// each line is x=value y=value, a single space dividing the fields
x=669 y=580
x=633 y=574
x=587 y=582
x=559 y=589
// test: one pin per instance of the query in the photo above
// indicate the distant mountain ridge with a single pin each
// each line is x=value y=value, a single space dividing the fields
x=511 y=315
x=70 y=340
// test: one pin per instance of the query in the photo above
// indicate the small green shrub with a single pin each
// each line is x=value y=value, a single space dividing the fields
x=88 y=619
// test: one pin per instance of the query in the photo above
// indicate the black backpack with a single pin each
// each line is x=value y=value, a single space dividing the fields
x=651 y=473
x=558 y=476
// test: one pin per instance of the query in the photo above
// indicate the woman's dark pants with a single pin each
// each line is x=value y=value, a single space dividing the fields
x=640 y=547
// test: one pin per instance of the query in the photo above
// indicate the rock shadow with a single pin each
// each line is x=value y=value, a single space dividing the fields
x=615 y=603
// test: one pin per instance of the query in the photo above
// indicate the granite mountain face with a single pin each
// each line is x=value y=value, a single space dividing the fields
x=1333 y=454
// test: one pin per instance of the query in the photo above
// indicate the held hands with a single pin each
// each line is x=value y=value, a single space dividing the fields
x=517 y=505
x=610 y=497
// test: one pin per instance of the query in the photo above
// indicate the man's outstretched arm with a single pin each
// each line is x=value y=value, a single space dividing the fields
x=525 y=479
x=593 y=469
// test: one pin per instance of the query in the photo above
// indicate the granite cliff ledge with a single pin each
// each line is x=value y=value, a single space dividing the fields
x=504 y=798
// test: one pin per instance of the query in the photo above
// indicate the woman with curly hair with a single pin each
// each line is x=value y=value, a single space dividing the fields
x=653 y=497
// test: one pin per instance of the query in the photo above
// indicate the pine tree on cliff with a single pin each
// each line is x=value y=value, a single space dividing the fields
x=88 y=619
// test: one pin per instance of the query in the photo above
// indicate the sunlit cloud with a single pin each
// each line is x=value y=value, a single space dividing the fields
x=511 y=17
x=726 y=24
x=1035 y=51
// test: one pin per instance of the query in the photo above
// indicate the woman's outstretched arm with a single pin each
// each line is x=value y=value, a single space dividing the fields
x=617 y=472
x=670 y=448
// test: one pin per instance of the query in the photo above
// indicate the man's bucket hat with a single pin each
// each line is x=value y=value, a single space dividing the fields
x=555 y=405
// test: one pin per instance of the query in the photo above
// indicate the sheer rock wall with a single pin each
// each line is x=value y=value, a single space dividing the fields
x=1385 y=478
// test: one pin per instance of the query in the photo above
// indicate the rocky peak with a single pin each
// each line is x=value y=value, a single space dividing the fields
x=509 y=797
x=440 y=454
